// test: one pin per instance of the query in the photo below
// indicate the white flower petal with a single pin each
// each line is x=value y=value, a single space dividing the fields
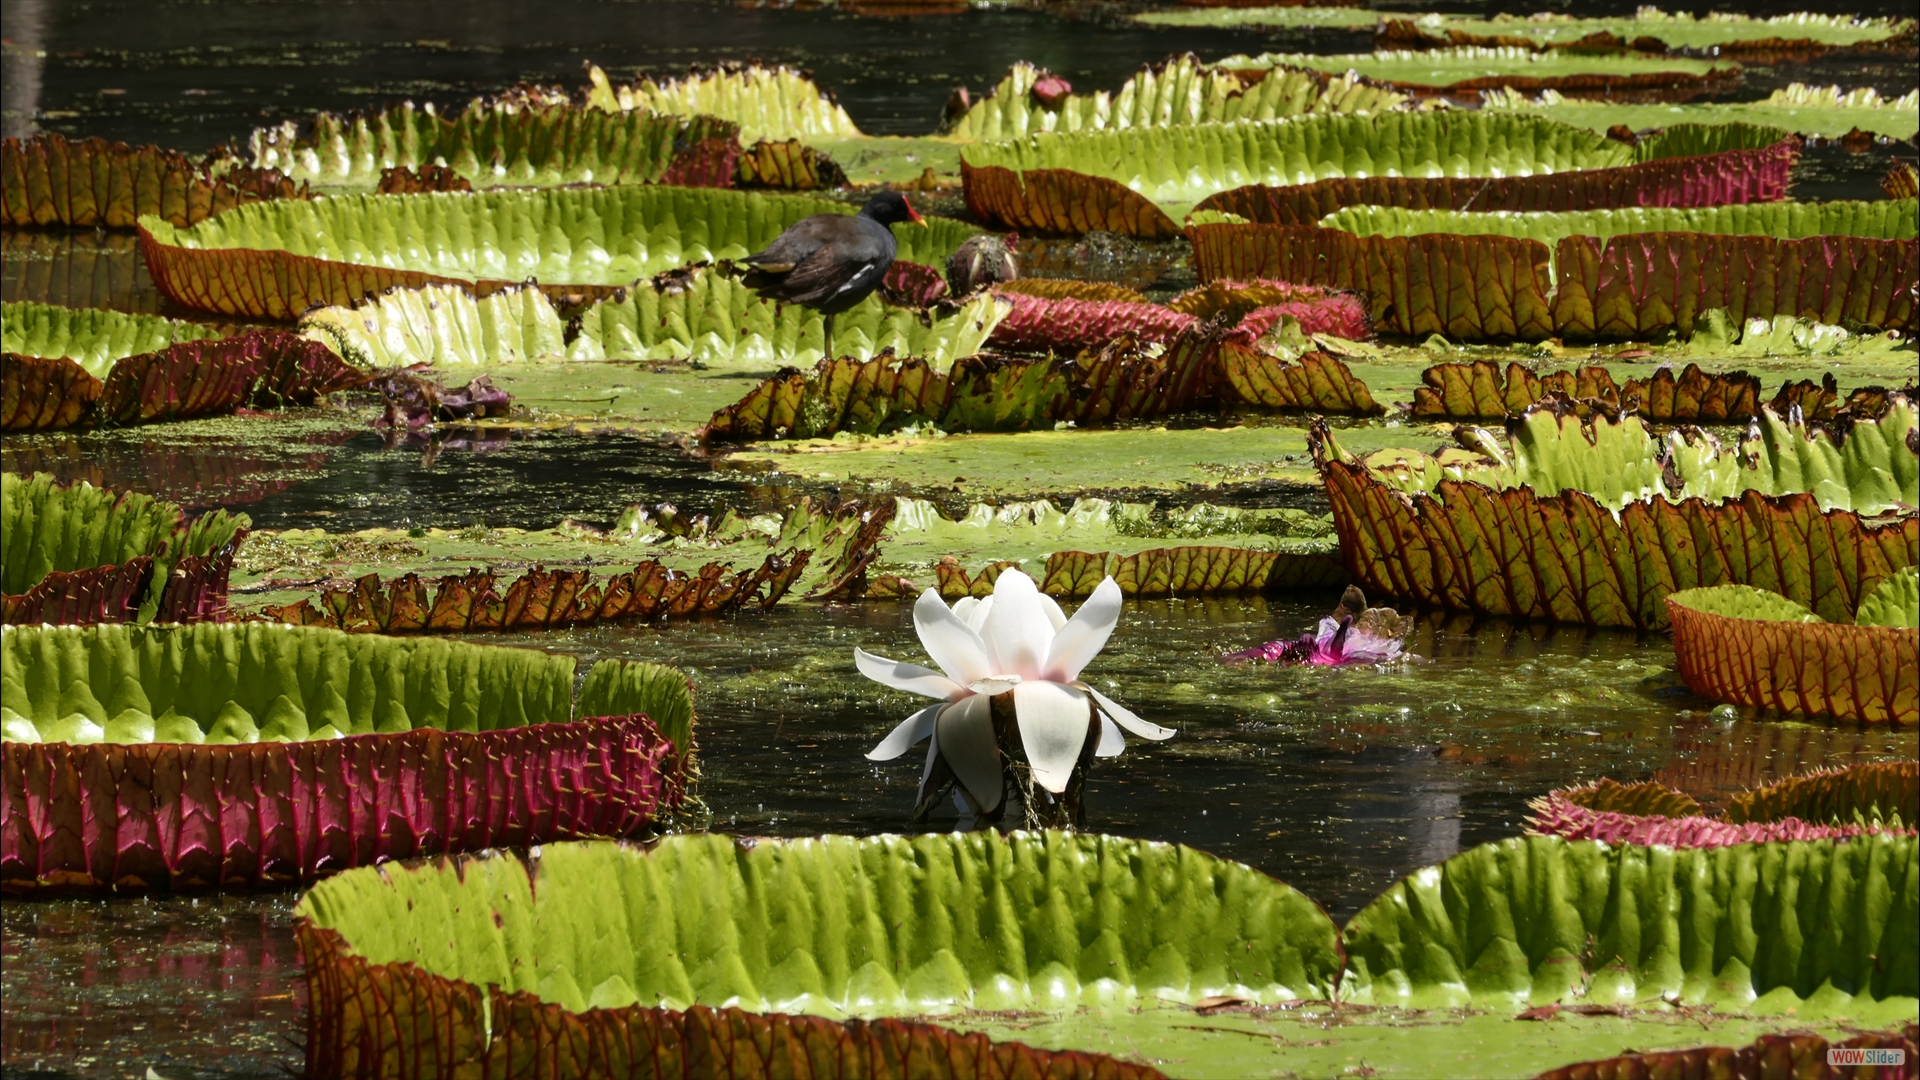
x=1085 y=634
x=1053 y=729
x=999 y=684
x=905 y=734
x=1054 y=615
x=966 y=742
x=964 y=606
x=976 y=614
x=954 y=645
x=1129 y=721
x=1017 y=631
x=1111 y=741
x=912 y=678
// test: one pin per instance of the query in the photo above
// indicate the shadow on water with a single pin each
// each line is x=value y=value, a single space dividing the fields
x=322 y=471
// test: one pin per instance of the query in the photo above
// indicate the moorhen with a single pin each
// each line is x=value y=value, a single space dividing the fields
x=830 y=262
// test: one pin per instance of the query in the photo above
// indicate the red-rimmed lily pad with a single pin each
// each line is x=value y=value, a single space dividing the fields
x=1746 y=646
x=1480 y=390
x=250 y=755
x=1827 y=805
x=80 y=554
x=1705 y=174
x=910 y=927
x=1787 y=1054
x=1609 y=556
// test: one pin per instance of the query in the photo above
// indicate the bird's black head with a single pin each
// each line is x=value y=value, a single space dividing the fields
x=890 y=208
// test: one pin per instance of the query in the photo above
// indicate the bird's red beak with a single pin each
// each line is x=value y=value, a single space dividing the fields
x=912 y=214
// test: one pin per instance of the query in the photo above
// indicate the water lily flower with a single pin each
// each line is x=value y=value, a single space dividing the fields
x=1019 y=641
x=1375 y=637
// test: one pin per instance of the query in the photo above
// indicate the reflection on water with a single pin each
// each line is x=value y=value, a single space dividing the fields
x=183 y=987
x=79 y=269
x=328 y=469
x=1335 y=780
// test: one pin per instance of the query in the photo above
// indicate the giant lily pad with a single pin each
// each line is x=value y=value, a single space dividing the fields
x=1479 y=389
x=82 y=554
x=1745 y=646
x=767 y=102
x=1466 y=71
x=1826 y=805
x=52 y=180
x=1633 y=285
x=1784 y=1054
x=1721 y=33
x=115 y=368
x=1131 y=181
x=1605 y=555
x=1689 y=165
x=250 y=754
x=830 y=927
x=1823 y=111
x=1882 y=219
x=91 y=337
x=511 y=141
x=1816 y=927
x=278 y=259
x=1200 y=367
x=1180 y=91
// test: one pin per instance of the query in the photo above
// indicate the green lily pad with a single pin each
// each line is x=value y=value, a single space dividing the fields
x=1871 y=470
x=1472 y=68
x=1825 y=112
x=590 y=236
x=47 y=528
x=1725 y=31
x=1805 y=928
x=1745 y=602
x=244 y=682
x=1182 y=91
x=1896 y=602
x=1177 y=167
x=767 y=102
x=92 y=337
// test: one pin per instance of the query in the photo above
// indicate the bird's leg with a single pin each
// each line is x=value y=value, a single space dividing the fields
x=827 y=341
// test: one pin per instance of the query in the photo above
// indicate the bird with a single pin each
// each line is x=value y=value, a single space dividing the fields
x=830 y=262
x=983 y=260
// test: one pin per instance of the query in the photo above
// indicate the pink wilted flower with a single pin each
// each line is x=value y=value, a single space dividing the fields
x=1373 y=636
x=1050 y=89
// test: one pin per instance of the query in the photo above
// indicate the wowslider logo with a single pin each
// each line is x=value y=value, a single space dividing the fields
x=1864 y=1056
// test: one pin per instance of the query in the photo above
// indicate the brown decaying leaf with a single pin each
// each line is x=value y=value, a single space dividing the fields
x=207 y=377
x=1859 y=673
x=44 y=393
x=542 y=599
x=137 y=816
x=1628 y=287
x=1062 y=201
x=50 y=179
x=1479 y=391
x=1730 y=176
x=711 y=162
x=401 y=180
x=1567 y=558
x=788 y=166
x=398 y=1020
x=1801 y=1055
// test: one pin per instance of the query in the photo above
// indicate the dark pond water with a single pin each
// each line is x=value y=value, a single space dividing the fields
x=1336 y=781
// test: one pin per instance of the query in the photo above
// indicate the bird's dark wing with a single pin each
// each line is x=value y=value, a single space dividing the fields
x=827 y=274
x=796 y=245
